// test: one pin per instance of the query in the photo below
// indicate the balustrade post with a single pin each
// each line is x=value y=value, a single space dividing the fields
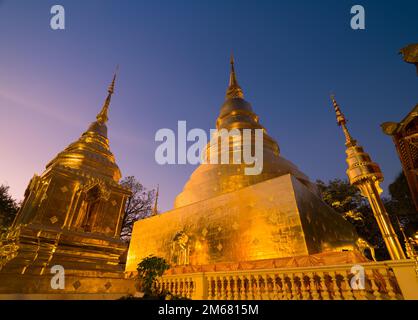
x=337 y=291
x=276 y=287
x=240 y=287
x=176 y=286
x=252 y=288
x=390 y=287
x=325 y=286
x=304 y=287
x=268 y=286
x=293 y=287
x=216 y=289
x=227 y=292
x=223 y=288
x=286 y=287
x=258 y=281
x=282 y=284
x=347 y=280
x=246 y=285
x=186 y=287
x=233 y=285
x=200 y=287
x=314 y=287
x=373 y=285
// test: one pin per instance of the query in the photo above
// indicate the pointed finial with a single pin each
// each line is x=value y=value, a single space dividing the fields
x=409 y=248
x=342 y=122
x=102 y=116
x=111 y=88
x=340 y=116
x=155 y=209
x=234 y=90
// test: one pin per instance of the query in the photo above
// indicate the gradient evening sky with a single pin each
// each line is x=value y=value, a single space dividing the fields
x=174 y=60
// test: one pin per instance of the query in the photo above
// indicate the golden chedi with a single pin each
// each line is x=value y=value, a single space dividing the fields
x=225 y=216
x=208 y=181
x=71 y=216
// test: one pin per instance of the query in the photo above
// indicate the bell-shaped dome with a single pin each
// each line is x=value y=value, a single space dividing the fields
x=91 y=154
x=210 y=180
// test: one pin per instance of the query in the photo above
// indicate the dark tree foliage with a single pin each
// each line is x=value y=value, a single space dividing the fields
x=149 y=269
x=8 y=208
x=341 y=195
x=400 y=204
x=400 y=197
x=138 y=206
x=348 y=201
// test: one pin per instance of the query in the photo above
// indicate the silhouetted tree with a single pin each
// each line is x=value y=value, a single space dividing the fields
x=400 y=205
x=341 y=195
x=8 y=208
x=138 y=206
x=400 y=197
x=149 y=269
x=348 y=201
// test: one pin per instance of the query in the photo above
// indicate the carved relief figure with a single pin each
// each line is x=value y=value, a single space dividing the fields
x=180 y=249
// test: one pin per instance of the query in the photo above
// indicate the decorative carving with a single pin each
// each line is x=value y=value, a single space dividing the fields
x=410 y=54
x=7 y=253
x=180 y=249
x=108 y=285
x=363 y=245
x=54 y=219
x=93 y=182
x=219 y=246
x=77 y=284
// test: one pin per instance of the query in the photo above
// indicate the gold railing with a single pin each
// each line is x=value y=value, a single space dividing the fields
x=389 y=280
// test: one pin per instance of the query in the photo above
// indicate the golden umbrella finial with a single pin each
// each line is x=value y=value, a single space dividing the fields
x=111 y=88
x=102 y=116
x=342 y=122
x=234 y=90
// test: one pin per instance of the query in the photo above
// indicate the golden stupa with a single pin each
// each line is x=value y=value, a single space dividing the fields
x=71 y=217
x=223 y=215
x=208 y=181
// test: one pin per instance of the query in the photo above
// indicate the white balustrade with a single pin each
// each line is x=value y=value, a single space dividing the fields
x=307 y=283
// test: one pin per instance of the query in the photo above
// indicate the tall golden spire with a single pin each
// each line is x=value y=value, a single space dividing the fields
x=234 y=90
x=102 y=116
x=342 y=122
x=366 y=175
x=155 y=209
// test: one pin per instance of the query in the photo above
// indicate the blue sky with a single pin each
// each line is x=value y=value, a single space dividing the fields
x=174 y=57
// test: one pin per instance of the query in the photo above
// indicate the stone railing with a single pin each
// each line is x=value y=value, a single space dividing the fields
x=389 y=280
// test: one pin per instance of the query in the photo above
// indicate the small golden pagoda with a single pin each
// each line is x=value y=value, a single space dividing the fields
x=225 y=216
x=71 y=216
